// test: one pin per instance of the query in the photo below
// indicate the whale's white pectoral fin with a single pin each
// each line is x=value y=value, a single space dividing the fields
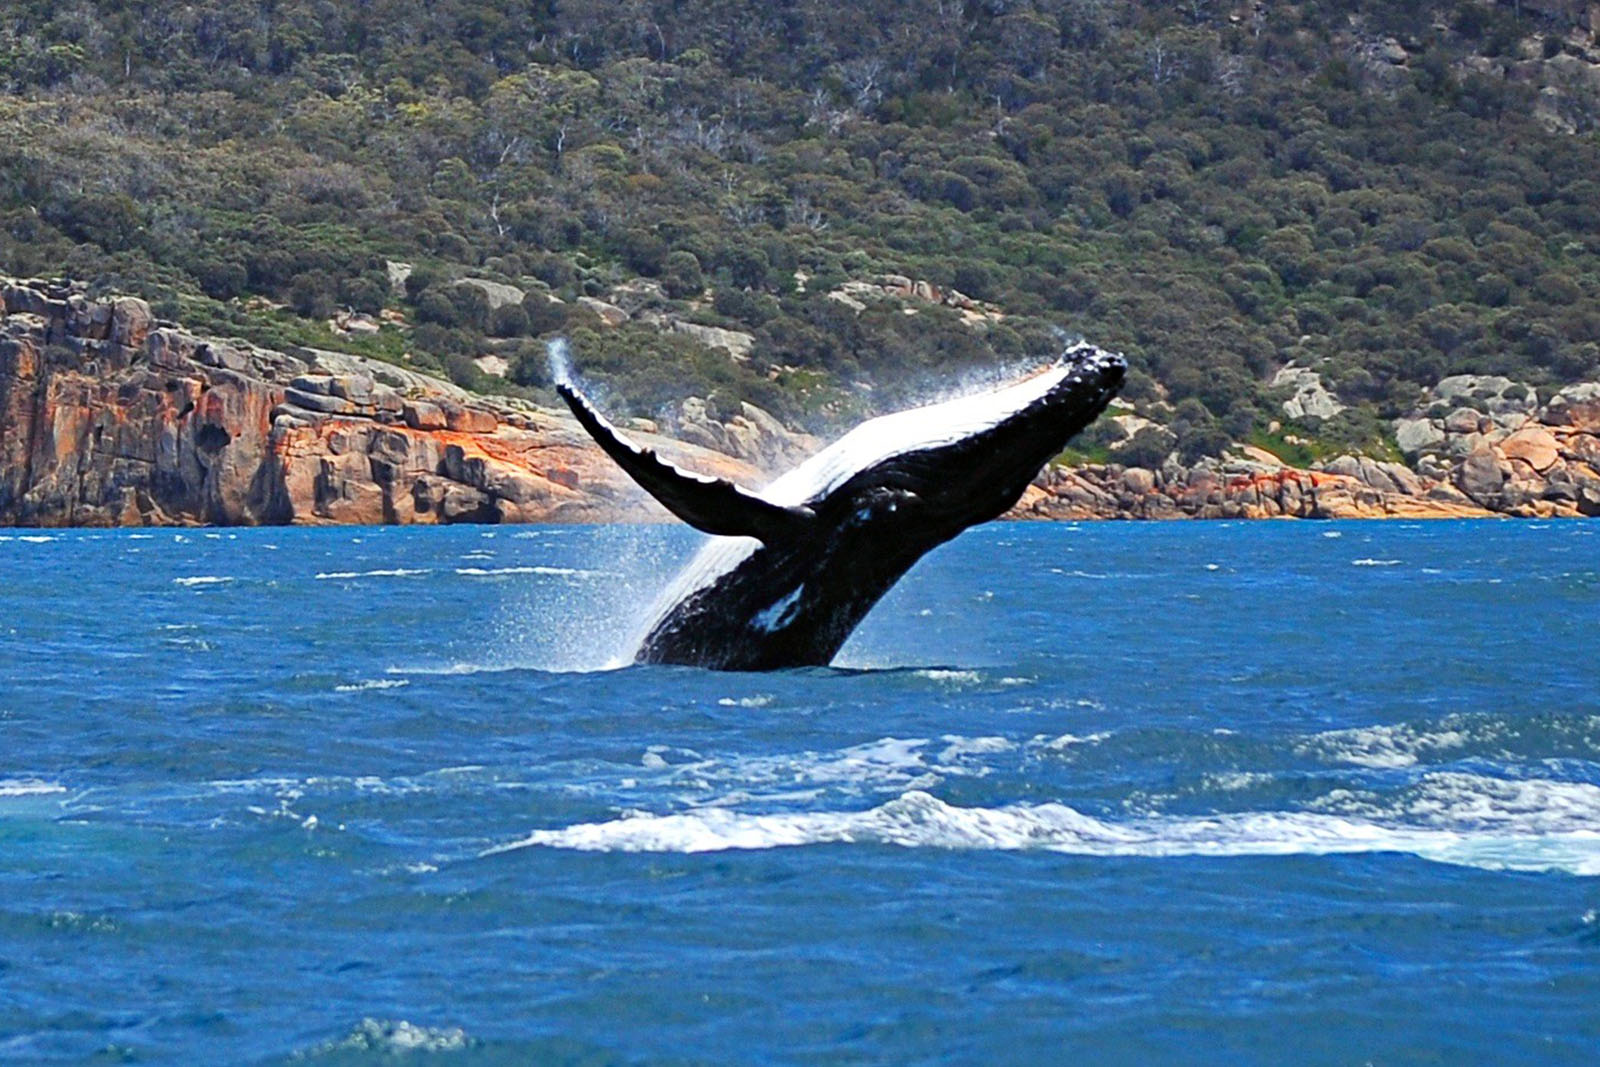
x=713 y=505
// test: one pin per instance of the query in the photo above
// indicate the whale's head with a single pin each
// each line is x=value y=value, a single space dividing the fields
x=962 y=461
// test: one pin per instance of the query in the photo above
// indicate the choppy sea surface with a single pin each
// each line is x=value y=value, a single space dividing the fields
x=1106 y=793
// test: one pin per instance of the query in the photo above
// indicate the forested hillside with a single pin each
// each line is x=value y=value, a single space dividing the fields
x=879 y=195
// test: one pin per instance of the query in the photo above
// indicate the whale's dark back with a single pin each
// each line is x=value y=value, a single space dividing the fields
x=800 y=564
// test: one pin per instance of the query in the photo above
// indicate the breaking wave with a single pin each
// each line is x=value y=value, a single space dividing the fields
x=558 y=572
x=1459 y=819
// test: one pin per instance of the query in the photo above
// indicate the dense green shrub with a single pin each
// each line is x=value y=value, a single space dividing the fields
x=508 y=320
x=681 y=277
x=1211 y=197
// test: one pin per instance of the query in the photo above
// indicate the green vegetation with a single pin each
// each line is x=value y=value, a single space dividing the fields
x=1212 y=189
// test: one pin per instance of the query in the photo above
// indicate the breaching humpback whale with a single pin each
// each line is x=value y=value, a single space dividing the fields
x=793 y=568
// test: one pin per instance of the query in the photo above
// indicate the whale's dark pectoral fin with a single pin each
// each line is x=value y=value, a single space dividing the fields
x=713 y=505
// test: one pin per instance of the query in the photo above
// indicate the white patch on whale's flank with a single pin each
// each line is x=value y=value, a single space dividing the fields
x=781 y=613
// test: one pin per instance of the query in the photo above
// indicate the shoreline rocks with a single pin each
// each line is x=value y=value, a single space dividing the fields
x=109 y=417
x=1512 y=454
x=1214 y=492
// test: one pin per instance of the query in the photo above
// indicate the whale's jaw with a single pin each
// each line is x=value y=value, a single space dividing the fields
x=796 y=567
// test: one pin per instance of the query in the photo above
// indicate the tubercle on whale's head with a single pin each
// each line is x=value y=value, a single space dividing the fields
x=984 y=475
x=1093 y=369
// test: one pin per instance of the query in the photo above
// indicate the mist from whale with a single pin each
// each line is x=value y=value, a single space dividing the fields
x=793 y=568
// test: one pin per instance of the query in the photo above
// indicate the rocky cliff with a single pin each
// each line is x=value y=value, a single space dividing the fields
x=108 y=417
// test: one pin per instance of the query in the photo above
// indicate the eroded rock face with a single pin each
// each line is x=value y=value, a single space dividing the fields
x=1311 y=398
x=735 y=342
x=1492 y=438
x=109 y=418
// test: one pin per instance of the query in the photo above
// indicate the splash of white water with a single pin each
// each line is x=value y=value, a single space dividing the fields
x=559 y=355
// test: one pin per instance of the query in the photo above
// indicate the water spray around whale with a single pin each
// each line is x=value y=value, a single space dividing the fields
x=793 y=568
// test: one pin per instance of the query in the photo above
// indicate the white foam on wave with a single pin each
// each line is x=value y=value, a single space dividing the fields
x=761 y=700
x=449 y=669
x=204 y=579
x=557 y=572
x=961 y=748
x=1368 y=562
x=29 y=787
x=393 y=1038
x=1397 y=746
x=917 y=819
x=885 y=767
x=287 y=790
x=1066 y=741
x=1451 y=799
x=949 y=676
x=392 y=572
x=36 y=539
x=372 y=683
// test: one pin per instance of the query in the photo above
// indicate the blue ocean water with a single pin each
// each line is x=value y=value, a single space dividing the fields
x=1113 y=793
